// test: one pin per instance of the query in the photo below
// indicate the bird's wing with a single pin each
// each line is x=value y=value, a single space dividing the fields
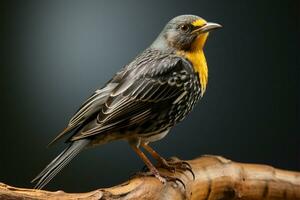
x=91 y=106
x=136 y=98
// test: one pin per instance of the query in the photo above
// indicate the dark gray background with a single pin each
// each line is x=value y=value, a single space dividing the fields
x=54 y=54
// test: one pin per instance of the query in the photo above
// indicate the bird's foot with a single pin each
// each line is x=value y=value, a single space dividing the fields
x=161 y=177
x=174 y=164
x=174 y=179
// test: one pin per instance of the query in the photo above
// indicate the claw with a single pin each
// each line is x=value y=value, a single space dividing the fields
x=162 y=178
x=191 y=171
x=172 y=165
x=189 y=168
x=186 y=163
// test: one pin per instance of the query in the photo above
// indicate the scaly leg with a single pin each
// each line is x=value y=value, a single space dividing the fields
x=169 y=165
x=148 y=163
x=152 y=169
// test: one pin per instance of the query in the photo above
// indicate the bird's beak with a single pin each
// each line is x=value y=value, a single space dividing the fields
x=209 y=26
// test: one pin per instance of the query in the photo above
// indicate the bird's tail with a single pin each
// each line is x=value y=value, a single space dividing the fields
x=59 y=162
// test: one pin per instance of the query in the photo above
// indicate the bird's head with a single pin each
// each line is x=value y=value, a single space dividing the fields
x=185 y=33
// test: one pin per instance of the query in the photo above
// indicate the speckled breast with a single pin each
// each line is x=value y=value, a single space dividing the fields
x=181 y=107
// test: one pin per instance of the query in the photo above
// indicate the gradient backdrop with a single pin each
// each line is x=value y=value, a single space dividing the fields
x=54 y=54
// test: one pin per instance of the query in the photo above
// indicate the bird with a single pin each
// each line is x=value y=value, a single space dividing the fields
x=144 y=100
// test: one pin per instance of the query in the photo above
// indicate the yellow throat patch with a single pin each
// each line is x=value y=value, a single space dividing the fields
x=196 y=56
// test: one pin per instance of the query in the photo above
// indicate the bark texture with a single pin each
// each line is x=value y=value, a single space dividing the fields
x=216 y=178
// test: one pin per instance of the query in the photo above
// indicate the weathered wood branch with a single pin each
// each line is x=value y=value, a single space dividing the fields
x=216 y=178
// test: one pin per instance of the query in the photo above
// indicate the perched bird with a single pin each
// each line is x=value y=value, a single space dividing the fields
x=145 y=99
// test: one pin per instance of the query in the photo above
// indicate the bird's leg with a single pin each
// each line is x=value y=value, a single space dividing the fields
x=170 y=165
x=153 y=170
x=148 y=163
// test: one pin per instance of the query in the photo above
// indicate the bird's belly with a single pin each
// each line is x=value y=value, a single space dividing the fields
x=154 y=136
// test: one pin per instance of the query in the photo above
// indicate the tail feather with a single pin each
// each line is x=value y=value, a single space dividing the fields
x=61 y=134
x=59 y=162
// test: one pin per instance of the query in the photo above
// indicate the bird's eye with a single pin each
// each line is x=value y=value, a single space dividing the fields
x=184 y=27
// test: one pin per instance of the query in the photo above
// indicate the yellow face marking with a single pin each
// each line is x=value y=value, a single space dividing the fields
x=199 y=22
x=196 y=56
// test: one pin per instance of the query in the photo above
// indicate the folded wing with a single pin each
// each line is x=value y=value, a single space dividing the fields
x=140 y=97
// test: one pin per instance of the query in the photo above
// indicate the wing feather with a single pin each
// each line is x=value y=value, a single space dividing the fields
x=136 y=101
x=88 y=108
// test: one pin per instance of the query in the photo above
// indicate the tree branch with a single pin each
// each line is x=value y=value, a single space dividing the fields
x=216 y=178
